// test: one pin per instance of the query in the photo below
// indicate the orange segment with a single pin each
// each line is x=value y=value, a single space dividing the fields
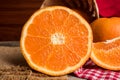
x=40 y=57
x=72 y=58
x=45 y=22
x=107 y=54
x=57 y=61
x=56 y=41
x=37 y=30
x=59 y=16
x=35 y=43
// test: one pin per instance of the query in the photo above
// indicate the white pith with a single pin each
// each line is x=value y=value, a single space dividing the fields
x=57 y=39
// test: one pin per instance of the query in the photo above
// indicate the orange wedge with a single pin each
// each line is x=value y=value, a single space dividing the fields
x=107 y=54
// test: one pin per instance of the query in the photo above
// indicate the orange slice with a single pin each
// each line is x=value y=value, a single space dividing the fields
x=56 y=41
x=107 y=54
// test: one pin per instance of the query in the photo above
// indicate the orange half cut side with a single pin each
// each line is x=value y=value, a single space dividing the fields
x=56 y=41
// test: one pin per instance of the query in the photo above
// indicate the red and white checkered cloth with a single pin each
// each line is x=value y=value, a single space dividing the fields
x=90 y=71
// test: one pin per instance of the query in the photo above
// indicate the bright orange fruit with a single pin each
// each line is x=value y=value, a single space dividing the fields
x=105 y=28
x=56 y=40
x=107 y=54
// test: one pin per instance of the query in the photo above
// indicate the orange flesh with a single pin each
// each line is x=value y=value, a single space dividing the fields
x=70 y=33
x=108 y=53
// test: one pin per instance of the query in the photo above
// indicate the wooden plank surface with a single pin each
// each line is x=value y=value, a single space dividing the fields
x=13 y=15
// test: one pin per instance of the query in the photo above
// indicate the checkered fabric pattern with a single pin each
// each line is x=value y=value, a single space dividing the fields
x=90 y=71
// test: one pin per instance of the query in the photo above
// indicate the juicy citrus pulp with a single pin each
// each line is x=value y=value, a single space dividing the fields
x=107 y=54
x=56 y=40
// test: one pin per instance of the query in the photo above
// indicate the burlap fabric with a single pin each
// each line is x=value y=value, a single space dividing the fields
x=14 y=67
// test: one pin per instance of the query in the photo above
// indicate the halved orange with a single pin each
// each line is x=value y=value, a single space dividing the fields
x=107 y=54
x=56 y=40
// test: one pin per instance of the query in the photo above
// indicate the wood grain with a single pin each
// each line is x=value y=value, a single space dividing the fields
x=13 y=15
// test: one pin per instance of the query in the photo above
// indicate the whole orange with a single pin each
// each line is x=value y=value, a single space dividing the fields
x=105 y=28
